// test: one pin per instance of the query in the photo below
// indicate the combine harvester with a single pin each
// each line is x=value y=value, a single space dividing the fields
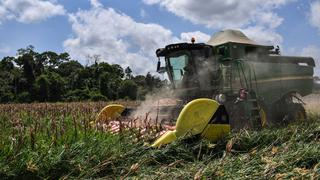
x=229 y=83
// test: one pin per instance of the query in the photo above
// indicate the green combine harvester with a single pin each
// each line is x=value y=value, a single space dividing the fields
x=230 y=83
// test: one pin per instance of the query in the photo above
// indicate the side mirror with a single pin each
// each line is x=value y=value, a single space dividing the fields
x=158 y=66
x=160 y=69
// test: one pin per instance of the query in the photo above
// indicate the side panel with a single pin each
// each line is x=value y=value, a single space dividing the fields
x=273 y=80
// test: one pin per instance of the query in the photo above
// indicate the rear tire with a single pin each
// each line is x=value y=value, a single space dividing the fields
x=289 y=113
x=297 y=113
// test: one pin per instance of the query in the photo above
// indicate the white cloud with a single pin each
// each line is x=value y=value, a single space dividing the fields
x=199 y=36
x=150 y=2
x=262 y=35
x=222 y=14
x=268 y=19
x=95 y=3
x=29 y=11
x=315 y=14
x=119 y=39
x=116 y=37
x=255 y=17
x=313 y=51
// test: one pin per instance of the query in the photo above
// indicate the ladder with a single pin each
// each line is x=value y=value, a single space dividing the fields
x=254 y=108
x=227 y=80
x=255 y=116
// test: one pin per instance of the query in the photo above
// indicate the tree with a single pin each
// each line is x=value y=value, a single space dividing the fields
x=117 y=71
x=6 y=64
x=51 y=59
x=26 y=61
x=49 y=76
x=56 y=87
x=129 y=89
x=105 y=85
x=140 y=80
x=149 y=81
x=28 y=67
x=67 y=69
x=128 y=72
x=42 y=85
x=6 y=89
x=97 y=96
x=114 y=87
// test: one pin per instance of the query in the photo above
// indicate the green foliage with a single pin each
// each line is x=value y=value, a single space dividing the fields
x=78 y=95
x=42 y=84
x=56 y=86
x=24 y=97
x=97 y=96
x=6 y=96
x=69 y=68
x=128 y=72
x=49 y=76
x=130 y=89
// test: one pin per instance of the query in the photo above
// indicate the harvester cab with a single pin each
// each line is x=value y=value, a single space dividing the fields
x=191 y=68
x=232 y=82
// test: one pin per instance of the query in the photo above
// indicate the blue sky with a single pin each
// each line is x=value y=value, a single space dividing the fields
x=128 y=32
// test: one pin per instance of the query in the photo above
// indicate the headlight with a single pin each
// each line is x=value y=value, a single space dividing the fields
x=221 y=98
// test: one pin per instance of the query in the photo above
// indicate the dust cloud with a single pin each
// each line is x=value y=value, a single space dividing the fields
x=151 y=109
x=312 y=102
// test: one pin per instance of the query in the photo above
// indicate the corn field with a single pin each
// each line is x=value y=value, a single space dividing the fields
x=60 y=140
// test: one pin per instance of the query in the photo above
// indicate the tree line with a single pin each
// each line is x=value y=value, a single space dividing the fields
x=50 y=77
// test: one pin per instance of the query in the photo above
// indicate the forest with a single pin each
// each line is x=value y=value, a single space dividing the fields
x=33 y=76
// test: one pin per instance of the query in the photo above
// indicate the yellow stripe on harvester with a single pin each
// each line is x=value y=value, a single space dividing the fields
x=194 y=119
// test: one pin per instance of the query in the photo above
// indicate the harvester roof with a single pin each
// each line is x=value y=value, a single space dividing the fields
x=233 y=36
